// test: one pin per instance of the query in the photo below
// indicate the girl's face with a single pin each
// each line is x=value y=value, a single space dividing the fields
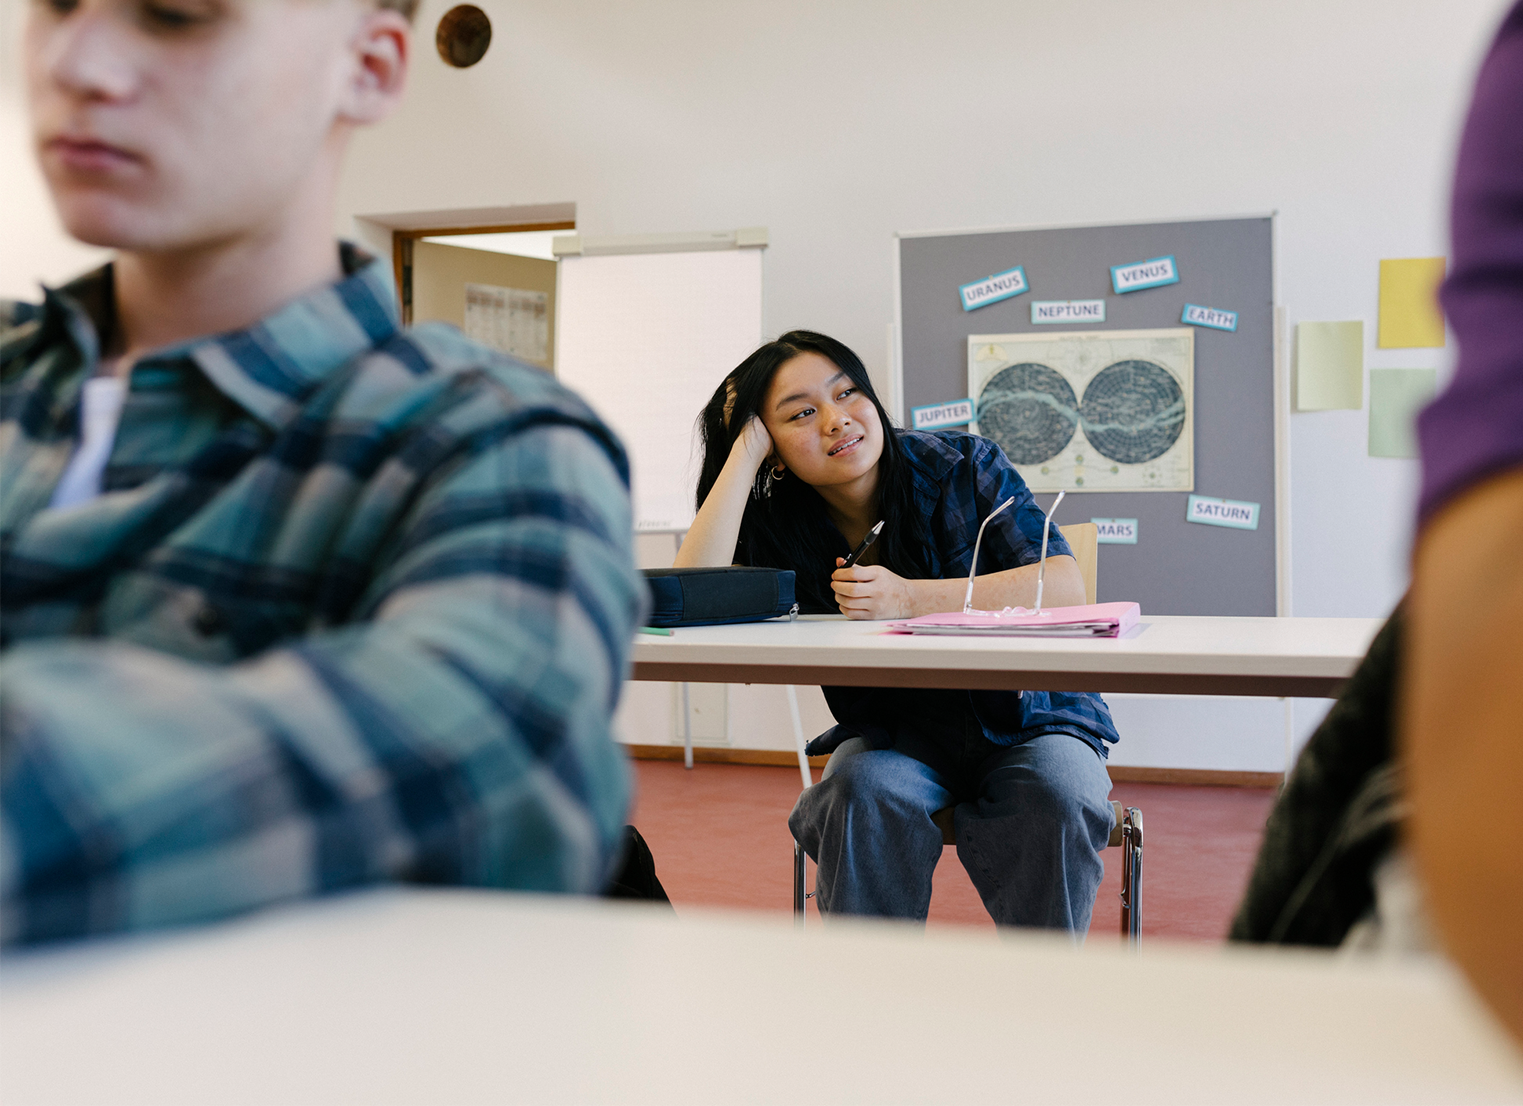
x=825 y=430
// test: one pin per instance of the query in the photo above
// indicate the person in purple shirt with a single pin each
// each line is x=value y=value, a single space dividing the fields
x=1462 y=716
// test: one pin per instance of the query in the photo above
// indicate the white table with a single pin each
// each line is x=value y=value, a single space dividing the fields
x=1178 y=654
x=466 y=997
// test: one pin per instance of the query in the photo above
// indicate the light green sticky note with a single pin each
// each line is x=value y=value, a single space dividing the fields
x=1396 y=396
x=1330 y=366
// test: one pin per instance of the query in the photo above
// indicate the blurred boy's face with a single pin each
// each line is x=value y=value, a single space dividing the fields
x=174 y=124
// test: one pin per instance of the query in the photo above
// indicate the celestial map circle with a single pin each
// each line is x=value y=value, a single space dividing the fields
x=1030 y=410
x=1133 y=411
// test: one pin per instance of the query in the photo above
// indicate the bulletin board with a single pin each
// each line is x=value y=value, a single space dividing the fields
x=1176 y=566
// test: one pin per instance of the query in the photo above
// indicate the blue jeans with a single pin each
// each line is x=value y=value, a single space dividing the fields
x=1030 y=819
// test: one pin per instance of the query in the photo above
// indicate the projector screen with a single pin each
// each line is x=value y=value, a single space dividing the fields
x=645 y=339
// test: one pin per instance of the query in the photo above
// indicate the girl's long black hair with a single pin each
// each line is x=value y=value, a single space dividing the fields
x=790 y=528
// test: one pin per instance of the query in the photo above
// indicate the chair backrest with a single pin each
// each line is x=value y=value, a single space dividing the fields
x=1084 y=540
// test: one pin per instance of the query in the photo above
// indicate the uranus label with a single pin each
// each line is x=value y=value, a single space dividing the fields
x=1223 y=512
x=1216 y=319
x=938 y=416
x=1144 y=274
x=1115 y=531
x=1001 y=286
x=1068 y=311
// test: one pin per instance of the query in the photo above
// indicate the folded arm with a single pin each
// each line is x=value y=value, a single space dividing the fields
x=456 y=732
x=872 y=591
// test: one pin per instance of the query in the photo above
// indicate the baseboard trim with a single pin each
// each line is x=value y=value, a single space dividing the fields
x=1119 y=773
x=708 y=754
x=1193 y=777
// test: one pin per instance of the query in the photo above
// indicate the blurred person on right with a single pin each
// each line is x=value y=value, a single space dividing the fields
x=1461 y=697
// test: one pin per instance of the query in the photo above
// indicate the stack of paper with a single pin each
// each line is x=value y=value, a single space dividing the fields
x=1094 y=620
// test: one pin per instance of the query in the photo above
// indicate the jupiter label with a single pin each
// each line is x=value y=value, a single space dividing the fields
x=939 y=416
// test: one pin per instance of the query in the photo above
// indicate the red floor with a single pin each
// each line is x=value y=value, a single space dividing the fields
x=720 y=838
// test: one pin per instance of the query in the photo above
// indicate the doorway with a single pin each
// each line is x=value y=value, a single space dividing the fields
x=488 y=271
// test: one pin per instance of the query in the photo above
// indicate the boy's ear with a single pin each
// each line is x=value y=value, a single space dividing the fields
x=379 y=50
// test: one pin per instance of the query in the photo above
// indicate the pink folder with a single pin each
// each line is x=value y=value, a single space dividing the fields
x=1094 y=620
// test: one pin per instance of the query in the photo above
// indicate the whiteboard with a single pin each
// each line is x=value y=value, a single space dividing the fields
x=645 y=339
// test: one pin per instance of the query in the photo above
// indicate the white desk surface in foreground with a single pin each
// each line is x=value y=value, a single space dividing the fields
x=1178 y=654
x=466 y=997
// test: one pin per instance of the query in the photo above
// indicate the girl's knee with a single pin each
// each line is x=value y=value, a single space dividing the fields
x=1062 y=797
x=862 y=775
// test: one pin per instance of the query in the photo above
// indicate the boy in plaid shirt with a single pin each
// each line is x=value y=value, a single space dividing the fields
x=291 y=600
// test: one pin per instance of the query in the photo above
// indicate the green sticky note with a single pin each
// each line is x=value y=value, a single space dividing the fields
x=1330 y=366
x=1396 y=396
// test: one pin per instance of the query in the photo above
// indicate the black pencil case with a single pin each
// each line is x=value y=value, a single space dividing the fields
x=713 y=596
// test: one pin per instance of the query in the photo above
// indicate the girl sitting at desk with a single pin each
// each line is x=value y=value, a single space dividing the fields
x=800 y=461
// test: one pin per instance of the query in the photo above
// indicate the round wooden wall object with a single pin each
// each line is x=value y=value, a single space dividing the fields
x=464 y=34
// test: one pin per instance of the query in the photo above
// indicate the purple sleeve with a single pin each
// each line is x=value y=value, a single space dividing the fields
x=1475 y=428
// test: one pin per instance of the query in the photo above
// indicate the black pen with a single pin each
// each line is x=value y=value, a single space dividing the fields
x=872 y=536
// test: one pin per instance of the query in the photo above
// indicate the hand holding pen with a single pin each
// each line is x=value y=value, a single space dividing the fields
x=869 y=591
x=856 y=554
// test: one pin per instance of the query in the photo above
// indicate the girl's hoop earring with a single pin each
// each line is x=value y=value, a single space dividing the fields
x=771 y=476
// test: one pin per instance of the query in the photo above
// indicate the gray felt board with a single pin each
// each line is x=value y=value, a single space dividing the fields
x=1176 y=567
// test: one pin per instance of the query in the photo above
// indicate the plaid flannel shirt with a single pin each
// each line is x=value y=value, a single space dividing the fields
x=355 y=605
x=959 y=479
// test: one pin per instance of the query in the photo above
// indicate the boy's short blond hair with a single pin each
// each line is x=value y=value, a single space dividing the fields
x=408 y=8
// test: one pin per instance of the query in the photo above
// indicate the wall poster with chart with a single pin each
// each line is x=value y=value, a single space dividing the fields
x=1089 y=411
x=515 y=321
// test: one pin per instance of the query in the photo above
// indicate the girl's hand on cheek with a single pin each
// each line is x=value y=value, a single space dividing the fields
x=754 y=441
x=870 y=592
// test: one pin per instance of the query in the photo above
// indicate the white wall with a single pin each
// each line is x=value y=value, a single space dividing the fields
x=33 y=246
x=835 y=125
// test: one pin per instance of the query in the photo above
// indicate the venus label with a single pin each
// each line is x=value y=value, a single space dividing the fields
x=1144 y=274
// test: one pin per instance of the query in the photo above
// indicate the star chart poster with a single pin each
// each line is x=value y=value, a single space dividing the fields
x=1089 y=411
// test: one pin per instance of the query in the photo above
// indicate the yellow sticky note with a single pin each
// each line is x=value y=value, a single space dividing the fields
x=1329 y=366
x=1409 y=311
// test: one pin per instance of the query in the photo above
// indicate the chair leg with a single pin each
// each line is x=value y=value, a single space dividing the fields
x=798 y=736
x=1131 y=877
x=687 y=730
x=799 y=894
x=798 y=885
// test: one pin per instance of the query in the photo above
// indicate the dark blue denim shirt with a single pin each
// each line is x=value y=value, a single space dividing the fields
x=959 y=479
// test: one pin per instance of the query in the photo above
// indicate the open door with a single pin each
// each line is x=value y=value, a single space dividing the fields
x=502 y=300
x=488 y=270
